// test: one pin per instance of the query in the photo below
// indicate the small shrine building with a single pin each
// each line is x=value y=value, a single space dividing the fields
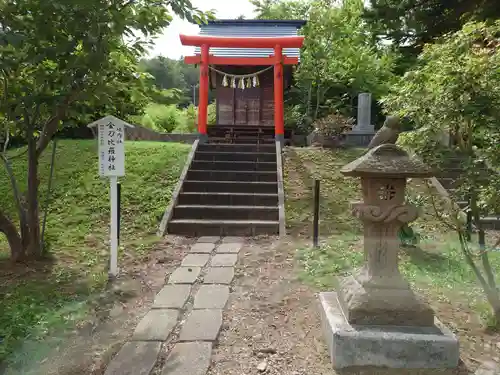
x=249 y=64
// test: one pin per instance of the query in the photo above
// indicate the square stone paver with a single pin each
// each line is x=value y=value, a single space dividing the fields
x=224 y=260
x=188 y=358
x=134 y=358
x=202 y=248
x=229 y=248
x=202 y=325
x=172 y=297
x=231 y=239
x=211 y=297
x=219 y=275
x=208 y=239
x=156 y=325
x=195 y=260
x=184 y=275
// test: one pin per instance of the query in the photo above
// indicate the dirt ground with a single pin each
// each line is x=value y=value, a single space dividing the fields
x=88 y=349
x=271 y=322
x=271 y=319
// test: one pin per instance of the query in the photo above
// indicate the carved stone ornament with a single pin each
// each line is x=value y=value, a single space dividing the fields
x=377 y=294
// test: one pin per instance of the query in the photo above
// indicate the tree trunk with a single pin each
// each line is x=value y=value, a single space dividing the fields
x=33 y=220
x=21 y=209
x=309 y=100
x=8 y=228
x=318 y=101
x=488 y=284
x=493 y=297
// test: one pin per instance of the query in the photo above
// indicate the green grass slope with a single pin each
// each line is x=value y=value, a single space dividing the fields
x=436 y=266
x=302 y=165
x=41 y=296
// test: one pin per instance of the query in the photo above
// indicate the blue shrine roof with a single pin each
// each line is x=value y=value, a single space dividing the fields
x=251 y=28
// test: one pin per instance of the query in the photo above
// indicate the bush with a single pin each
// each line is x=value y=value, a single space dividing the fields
x=160 y=117
x=454 y=89
x=165 y=117
x=333 y=125
x=191 y=114
x=212 y=114
x=170 y=119
x=148 y=122
x=296 y=119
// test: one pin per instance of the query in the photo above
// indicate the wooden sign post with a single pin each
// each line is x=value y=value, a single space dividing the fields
x=111 y=136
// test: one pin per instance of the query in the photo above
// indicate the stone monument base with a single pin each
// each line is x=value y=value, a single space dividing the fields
x=351 y=346
x=363 y=129
x=359 y=138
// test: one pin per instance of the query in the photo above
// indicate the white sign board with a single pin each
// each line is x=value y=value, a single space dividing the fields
x=111 y=149
x=112 y=164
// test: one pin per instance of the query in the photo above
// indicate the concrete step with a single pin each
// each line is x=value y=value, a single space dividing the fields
x=450 y=172
x=239 y=131
x=457 y=196
x=212 y=175
x=232 y=147
x=233 y=165
x=214 y=212
x=456 y=162
x=457 y=172
x=196 y=228
x=235 y=156
x=491 y=222
x=230 y=186
x=449 y=183
x=227 y=199
x=241 y=140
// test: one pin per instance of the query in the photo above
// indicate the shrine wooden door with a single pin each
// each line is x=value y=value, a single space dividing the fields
x=247 y=106
x=225 y=106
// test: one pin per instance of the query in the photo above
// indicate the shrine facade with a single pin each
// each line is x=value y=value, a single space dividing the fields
x=249 y=64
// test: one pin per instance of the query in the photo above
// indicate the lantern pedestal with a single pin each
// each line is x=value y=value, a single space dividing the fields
x=363 y=304
x=421 y=349
x=375 y=319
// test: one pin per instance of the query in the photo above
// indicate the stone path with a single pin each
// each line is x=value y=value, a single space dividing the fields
x=186 y=316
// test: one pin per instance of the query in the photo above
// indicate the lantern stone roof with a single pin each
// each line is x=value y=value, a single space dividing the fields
x=387 y=160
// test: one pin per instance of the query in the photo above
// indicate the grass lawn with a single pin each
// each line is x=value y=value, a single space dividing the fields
x=435 y=268
x=301 y=167
x=39 y=298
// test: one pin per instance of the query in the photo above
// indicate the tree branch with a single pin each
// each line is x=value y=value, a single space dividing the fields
x=7 y=138
x=7 y=128
x=9 y=229
x=435 y=209
x=50 y=127
x=15 y=189
x=36 y=115
x=470 y=262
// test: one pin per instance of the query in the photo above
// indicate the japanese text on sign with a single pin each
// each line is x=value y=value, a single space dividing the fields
x=111 y=149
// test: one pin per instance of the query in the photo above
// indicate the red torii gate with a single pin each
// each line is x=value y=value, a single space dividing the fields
x=277 y=59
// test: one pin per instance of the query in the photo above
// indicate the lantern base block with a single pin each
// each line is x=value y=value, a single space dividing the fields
x=370 y=347
x=382 y=301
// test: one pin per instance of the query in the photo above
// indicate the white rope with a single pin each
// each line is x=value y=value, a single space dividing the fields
x=244 y=80
x=251 y=75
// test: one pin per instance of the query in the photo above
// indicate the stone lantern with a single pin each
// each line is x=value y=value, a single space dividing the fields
x=375 y=319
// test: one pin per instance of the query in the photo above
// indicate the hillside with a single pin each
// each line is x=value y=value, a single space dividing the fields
x=435 y=266
x=77 y=230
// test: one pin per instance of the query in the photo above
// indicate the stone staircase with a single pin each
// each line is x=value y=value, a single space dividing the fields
x=242 y=134
x=450 y=179
x=230 y=189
